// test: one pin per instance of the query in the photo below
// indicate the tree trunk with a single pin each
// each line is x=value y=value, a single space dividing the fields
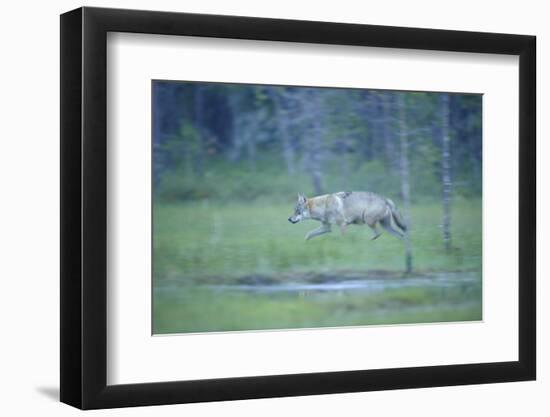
x=474 y=142
x=315 y=144
x=158 y=165
x=370 y=116
x=282 y=121
x=389 y=146
x=405 y=185
x=199 y=157
x=446 y=171
x=252 y=131
x=344 y=159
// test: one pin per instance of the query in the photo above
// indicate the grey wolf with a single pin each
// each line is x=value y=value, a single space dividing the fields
x=349 y=207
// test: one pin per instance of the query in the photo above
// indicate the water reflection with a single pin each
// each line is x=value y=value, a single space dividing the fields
x=369 y=285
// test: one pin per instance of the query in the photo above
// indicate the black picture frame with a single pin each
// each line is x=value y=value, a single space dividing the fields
x=84 y=207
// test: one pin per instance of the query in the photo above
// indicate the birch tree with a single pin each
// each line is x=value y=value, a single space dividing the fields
x=446 y=170
x=199 y=106
x=404 y=171
x=389 y=147
x=310 y=117
x=283 y=119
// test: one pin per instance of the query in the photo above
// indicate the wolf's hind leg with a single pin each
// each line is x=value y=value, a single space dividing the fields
x=324 y=228
x=377 y=232
x=343 y=227
x=386 y=224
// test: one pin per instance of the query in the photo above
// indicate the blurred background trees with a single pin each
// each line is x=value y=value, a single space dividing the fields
x=334 y=138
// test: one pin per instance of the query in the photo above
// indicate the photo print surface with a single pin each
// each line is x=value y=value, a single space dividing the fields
x=289 y=207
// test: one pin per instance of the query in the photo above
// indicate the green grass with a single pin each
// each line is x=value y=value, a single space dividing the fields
x=201 y=310
x=198 y=245
x=202 y=242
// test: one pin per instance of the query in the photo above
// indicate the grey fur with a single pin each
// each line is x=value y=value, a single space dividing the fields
x=349 y=207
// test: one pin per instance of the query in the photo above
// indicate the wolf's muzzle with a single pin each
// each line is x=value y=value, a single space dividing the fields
x=292 y=220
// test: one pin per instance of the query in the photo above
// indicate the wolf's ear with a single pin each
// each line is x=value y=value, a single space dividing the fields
x=302 y=198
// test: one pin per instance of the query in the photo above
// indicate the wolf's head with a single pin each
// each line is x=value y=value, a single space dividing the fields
x=301 y=211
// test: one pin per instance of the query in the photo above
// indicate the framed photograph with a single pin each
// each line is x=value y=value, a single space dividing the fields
x=258 y=208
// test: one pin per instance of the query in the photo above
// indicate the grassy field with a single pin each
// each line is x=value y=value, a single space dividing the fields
x=200 y=310
x=200 y=245
x=200 y=242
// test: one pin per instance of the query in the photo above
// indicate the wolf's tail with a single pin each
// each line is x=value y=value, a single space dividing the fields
x=397 y=217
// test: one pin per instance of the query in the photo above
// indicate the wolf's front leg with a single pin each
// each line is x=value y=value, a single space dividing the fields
x=324 y=228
